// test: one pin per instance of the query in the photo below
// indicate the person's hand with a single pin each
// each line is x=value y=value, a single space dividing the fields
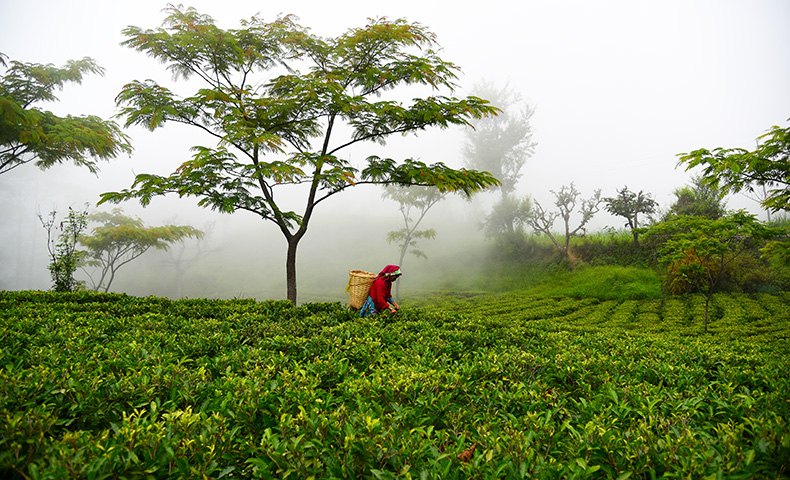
x=393 y=309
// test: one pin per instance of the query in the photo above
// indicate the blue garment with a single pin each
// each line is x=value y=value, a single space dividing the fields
x=369 y=307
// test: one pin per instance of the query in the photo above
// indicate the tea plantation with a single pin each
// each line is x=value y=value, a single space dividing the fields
x=483 y=386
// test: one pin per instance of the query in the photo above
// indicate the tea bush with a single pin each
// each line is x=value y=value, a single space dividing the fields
x=475 y=386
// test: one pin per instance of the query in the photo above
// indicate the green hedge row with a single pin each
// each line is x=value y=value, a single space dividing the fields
x=112 y=386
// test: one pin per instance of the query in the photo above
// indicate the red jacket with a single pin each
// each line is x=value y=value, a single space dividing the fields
x=381 y=292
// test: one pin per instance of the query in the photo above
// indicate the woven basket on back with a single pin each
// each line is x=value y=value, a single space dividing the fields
x=359 y=283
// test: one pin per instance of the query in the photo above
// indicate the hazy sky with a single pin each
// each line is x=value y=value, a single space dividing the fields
x=620 y=87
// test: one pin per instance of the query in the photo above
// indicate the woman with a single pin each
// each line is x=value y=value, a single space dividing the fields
x=380 y=297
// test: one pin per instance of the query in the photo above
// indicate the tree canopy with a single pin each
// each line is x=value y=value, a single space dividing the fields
x=30 y=134
x=283 y=104
x=629 y=205
x=118 y=239
x=739 y=170
x=734 y=170
x=501 y=144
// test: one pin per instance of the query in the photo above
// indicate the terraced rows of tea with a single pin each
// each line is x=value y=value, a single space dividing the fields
x=736 y=316
x=473 y=386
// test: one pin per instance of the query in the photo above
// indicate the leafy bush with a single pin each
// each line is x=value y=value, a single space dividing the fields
x=518 y=247
x=110 y=386
x=610 y=248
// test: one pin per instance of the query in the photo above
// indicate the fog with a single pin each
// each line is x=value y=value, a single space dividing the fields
x=619 y=87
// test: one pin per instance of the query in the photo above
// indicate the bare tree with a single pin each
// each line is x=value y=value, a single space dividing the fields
x=183 y=257
x=566 y=201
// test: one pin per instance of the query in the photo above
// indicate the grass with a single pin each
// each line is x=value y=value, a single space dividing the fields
x=603 y=282
x=607 y=282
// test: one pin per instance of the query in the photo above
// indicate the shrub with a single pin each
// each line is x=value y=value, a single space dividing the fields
x=113 y=386
x=610 y=248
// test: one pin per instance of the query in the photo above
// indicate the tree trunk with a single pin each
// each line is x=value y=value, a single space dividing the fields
x=109 y=282
x=707 y=305
x=400 y=264
x=290 y=268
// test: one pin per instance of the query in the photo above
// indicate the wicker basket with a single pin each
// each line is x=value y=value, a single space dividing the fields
x=359 y=283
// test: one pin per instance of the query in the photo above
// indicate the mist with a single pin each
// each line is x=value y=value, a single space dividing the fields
x=619 y=87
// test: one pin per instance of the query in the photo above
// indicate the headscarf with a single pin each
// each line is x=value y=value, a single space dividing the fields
x=390 y=271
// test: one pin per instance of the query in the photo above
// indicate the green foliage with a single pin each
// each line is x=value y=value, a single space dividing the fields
x=610 y=248
x=412 y=201
x=29 y=134
x=629 y=205
x=695 y=250
x=105 y=385
x=64 y=256
x=699 y=199
x=508 y=217
x=736 y=169
x=604 y=282
x=277 y=97
x=501 y=144
x=119 y=239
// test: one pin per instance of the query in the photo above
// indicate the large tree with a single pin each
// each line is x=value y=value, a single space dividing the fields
x=30 y=134
x=280 y=127
x=734 y=170
x=501 y=145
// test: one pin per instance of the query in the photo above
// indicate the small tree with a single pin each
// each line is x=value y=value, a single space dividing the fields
x=412 y=201
x=694 y=251
x=29 y=134
x=183 y=257
x=328 y=98
x=629 y=205
x=566 y=201
x=508 y=217
x=62 y=238
x=120 y=239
